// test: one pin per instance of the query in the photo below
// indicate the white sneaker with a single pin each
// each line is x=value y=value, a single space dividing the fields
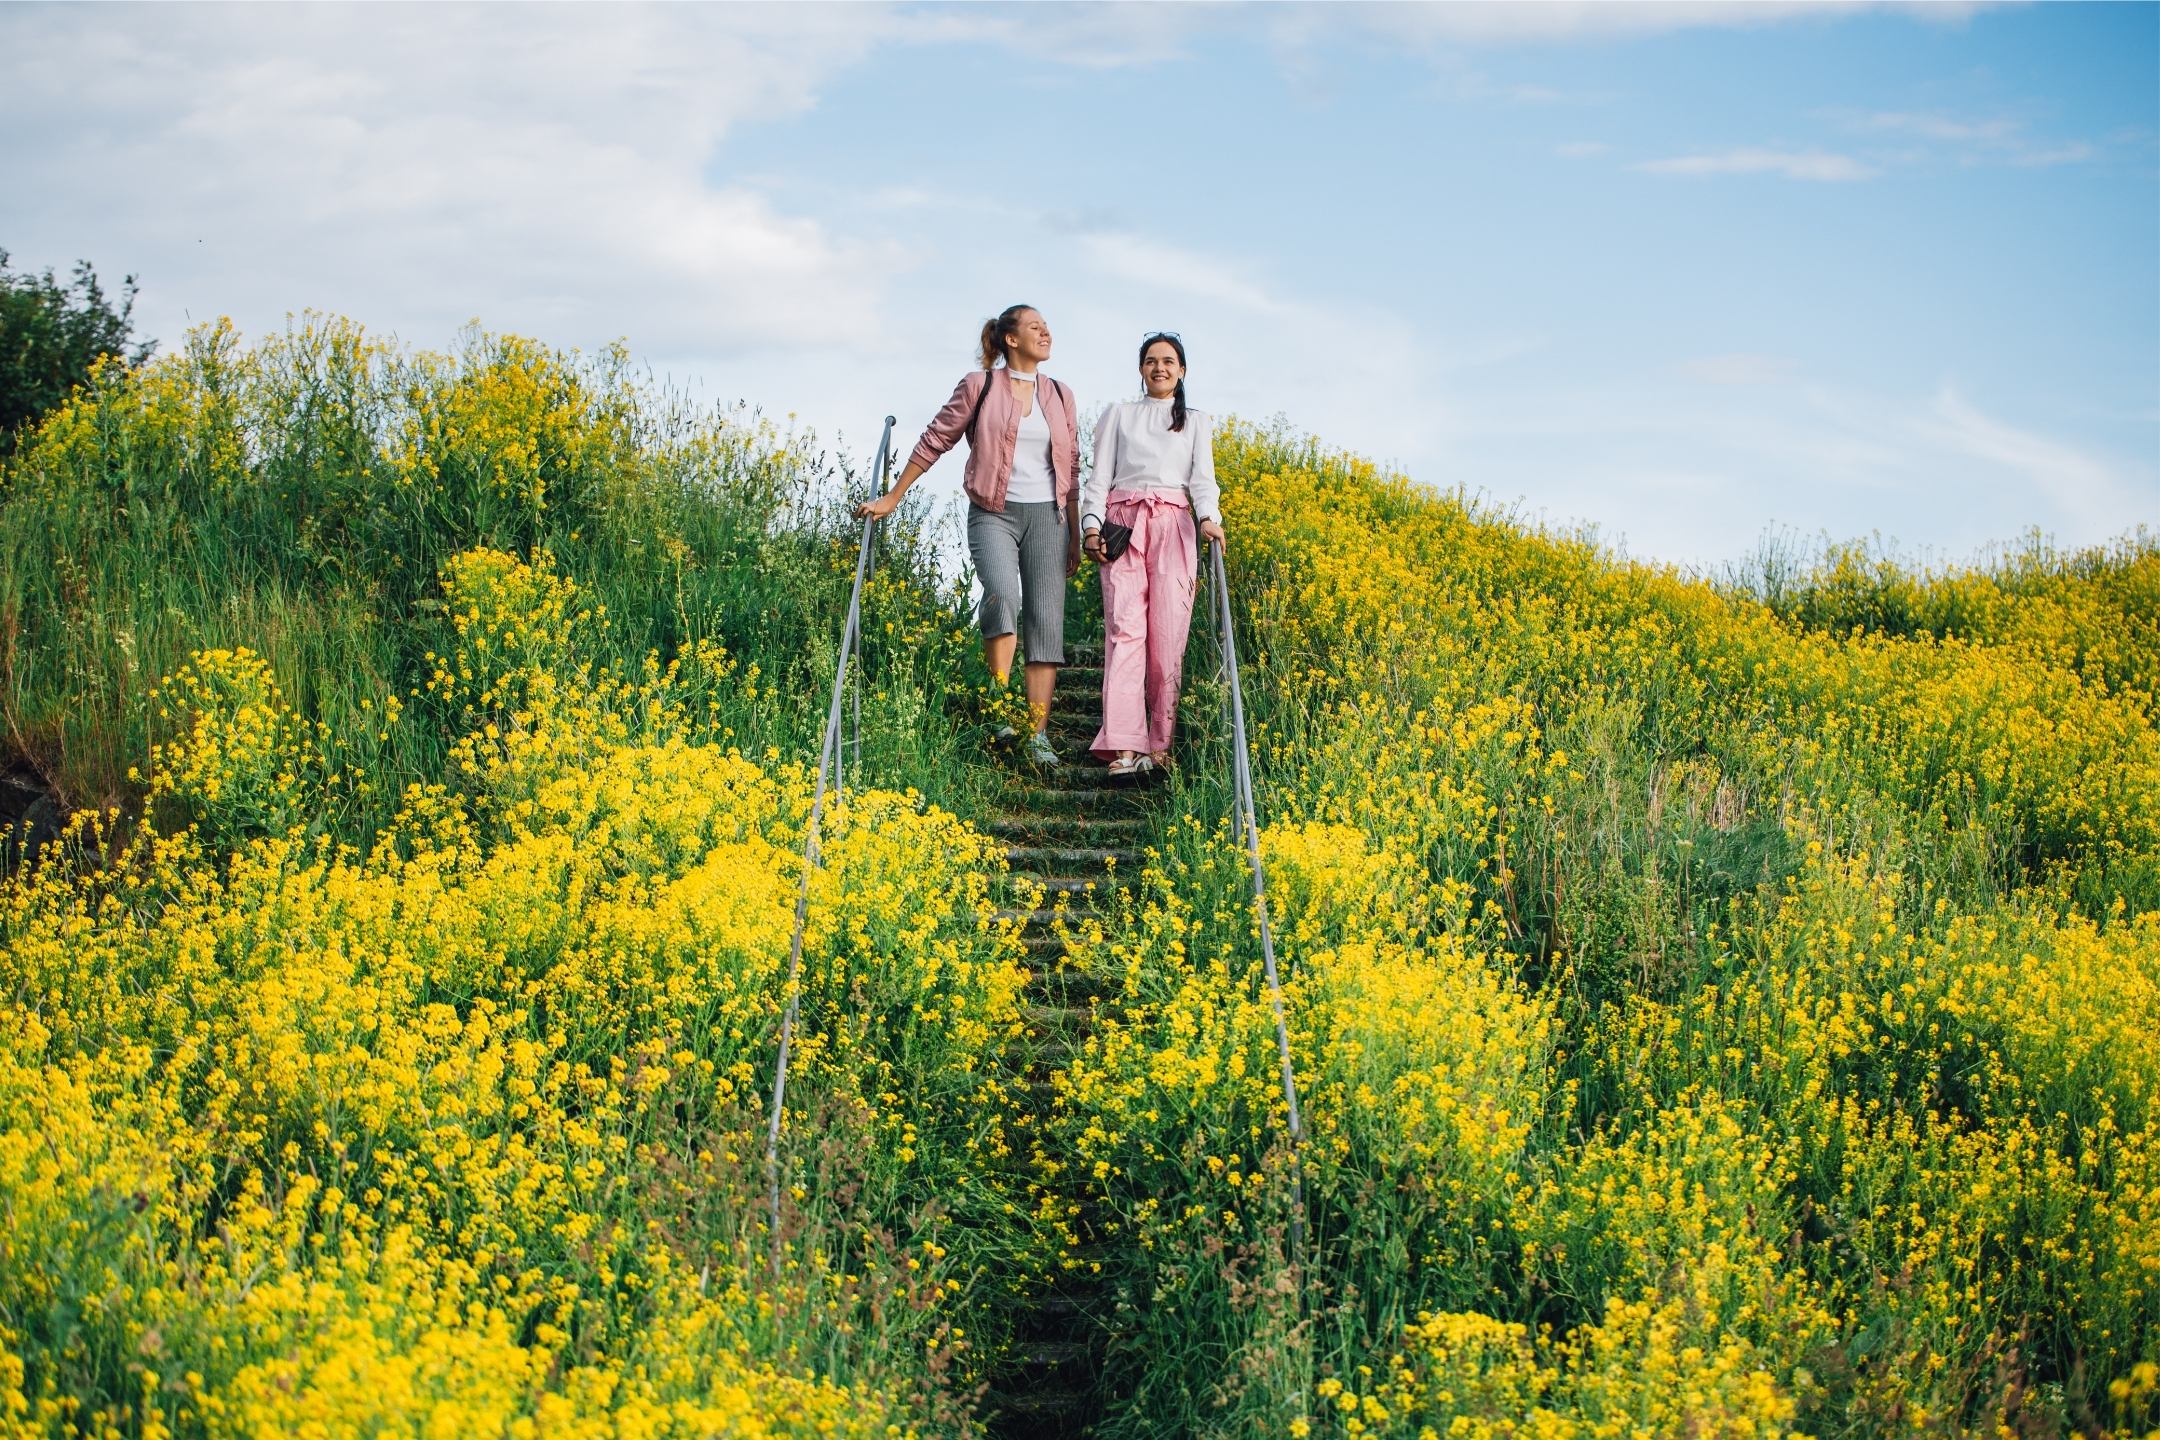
x=1042 y=752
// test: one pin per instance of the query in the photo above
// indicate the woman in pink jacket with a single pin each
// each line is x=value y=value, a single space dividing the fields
x=1155 y=472
x=1023 y=484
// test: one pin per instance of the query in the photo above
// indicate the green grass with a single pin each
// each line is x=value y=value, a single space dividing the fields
x=473 y=807
x=299 y=497
x=1746 y=990
x=1810 y=961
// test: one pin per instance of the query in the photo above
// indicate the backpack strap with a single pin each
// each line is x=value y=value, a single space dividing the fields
x=989 y=379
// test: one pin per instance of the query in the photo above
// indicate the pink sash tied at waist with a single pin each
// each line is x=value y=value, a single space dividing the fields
x=1140 y=507
x=1151 y=498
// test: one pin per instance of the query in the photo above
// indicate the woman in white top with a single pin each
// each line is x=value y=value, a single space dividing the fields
x=1155 y=472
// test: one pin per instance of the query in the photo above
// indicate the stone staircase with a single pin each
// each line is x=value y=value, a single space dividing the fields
x=1079 y=834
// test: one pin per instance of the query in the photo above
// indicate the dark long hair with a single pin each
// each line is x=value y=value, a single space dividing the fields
x=1177 y=403
x=995 y=332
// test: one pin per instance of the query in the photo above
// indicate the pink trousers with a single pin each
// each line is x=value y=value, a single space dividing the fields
x=1147 y=610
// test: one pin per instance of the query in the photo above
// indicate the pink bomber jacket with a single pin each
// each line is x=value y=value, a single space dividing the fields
x=990 y=447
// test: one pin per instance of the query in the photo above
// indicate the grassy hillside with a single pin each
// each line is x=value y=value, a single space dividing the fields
x=391 y=1056
x=1715 y=1013
x=1715 y=1017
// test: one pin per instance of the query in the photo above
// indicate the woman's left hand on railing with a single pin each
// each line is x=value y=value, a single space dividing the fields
x=1214 y=531
x=879 y=508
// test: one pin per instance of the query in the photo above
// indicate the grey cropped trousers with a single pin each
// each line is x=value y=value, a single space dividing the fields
x=1019 y=554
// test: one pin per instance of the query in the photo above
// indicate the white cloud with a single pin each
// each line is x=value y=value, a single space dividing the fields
x=1343 y=370
x=1150 y=262
x=1489 y=22
x=1108 y=36
x=1091 y=36
x=2083 y=485
x=1939 y=127
x=414 y=163
x=2077 y=152
x=1996 y=139
x=1740 y=369
x=553 y=170
x=1749 y=160
x=1687 y=473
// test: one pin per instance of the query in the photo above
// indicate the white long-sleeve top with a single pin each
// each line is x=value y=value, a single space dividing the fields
x=1135 y=449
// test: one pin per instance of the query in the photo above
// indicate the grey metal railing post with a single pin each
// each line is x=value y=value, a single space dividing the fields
x=830 y=759
x=881 y=472
x=1247 y=825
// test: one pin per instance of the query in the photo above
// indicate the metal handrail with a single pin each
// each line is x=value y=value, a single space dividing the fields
x=831 y=758
x=1247 y=828
x=881 y=475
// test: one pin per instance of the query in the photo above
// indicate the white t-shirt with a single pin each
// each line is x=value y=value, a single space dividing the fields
x=1135 y=449
x=1032 y=480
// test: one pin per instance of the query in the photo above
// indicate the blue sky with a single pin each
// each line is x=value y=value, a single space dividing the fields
x=1684 y=273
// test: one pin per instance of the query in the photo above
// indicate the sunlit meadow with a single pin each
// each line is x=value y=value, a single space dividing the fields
x=1720 y=1008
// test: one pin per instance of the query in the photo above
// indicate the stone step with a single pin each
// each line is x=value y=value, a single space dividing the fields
x=1038 y=920
x=1070 y=758
x=1076 y=832
x=1048 y=952
x=1066 y=988
x=1061 y=797
x=1048 y=1376
x=1060 y=1019
x=1050 y=804
x=1074 y=1297
x=1072 y=726
x=1052 y=1049
x=1069 y=857
x=1041 y=1414
x=1077 y=886
x=1024 y=828
x=1048 y=1353
x=1091 y=775
x=1046 y=947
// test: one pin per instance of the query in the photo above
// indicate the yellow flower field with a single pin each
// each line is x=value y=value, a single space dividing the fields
x=396 y=1061
x=1715 y=1011
x=459 y=1137
x=1708 y=1021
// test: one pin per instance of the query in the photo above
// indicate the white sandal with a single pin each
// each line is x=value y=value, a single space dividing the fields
x=1125 y=766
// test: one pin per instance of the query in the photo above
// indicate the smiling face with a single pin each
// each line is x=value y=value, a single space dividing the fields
x=1160 y=369
x=1029 y=343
